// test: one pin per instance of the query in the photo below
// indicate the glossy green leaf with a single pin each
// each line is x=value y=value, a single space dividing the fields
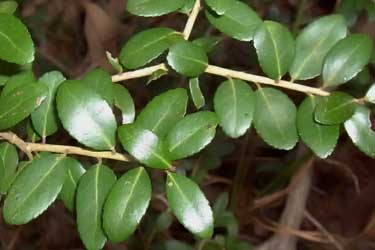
x=86 y=116
x=162 y=112
x=145 y=146
x=238 y=20
x=187 y=7
x=192 y=134
x=19 y=103
x=234 y=103
x=150 y=8
x=275 y=118
x=274 y=45
x=32 y=135
x=313 y=44
x=335 y=108
x=44 y=118
x=126 y=204
x=9 y=158
x=207 y=43
x=8 y=7
x=189 y=205
x=346 y=59
x=74 y=174
x=196 y=93
x=187 y=59
x=92 y=191
x=124 y=102
x=370 y=94
x=220 y=6
x=321 y=139
x=156 y=75
x=100 y=81
x=147 y=45
x=17 y=81
x=34 y=189
x=359 y=130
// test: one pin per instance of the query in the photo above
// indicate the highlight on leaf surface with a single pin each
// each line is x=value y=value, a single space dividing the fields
x=149 y=8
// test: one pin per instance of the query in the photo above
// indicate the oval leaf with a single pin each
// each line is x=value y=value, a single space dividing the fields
x=153 y=7
x=126 y=204
x=124 y=102
x=34 y=189
x=313 y=44
x=346 y=59
x=234 y=103
x=187 y=59
x=144 y=145
x=100 y=81
x=86 y=116
x=192 y=134
x=162 y=112
x=9 y=158
x=275 y=118
x=8 y=7
x=16 y=44
x=321 y=139
x=92 y=191
x=196 y=93
x=18 y=80
x=189 y=205
x=274 y=45
x=220 y=6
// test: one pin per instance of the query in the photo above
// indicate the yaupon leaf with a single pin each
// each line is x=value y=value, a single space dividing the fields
x=145 y=146
x=9 y=158
x=196 y=93
x=150 y=8
x=187 y=59
x=126 y=204
x=370 y=94
x=147 y=45
x=32 y=135
x=19 y=103
x=335 y=108
x=162 y=112
x=313 y=44
x=189 y=205
x=346 y=59
x=34 y=189
x=8 y=7
x=124 y=102
x=321 y=139
x=238 y=20
x=275 y=118
x=92 y=191
x=207 y=43
x=44 y=117
x=187 y=7
x=234 y=103
x=192 y=134
x=220 y=6
x=19 y=80
x=74 y=174
x=359 y=130
x=274 y=45
x=86 y=116
x=16 y=44
x=100 y=81
x=115 y=63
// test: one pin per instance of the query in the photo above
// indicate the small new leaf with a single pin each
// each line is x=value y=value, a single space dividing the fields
x=124 y=102
x=196 y=93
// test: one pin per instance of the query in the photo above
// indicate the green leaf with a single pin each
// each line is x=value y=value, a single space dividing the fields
x=162 y=112
x=156 y=75
x=16 y=44
x=124 y=102
x=346 y=59
x=359 y=130
x=19 y=103
x=144 y=145
x=207 y=43
x=92 y=191
x=187 y=7
x=32 y=135
x=100 y=81
x=126 y=204
x=370 y=95
x=275 y=118
x=147 y=45
x=86 y=116
x=34 y=189
x=196 y=93
x=115 y=63
x=335 y=108
x=74 y=174
x=9 y=158
x=238 y=20
x=274 y=45
x=19 y=80
x=192 y=134
x=321 y=139
x=44 y=117
x=313 y=44
x=187 y=59
x=234 y=103
x=220 y=6
x=189 y=205
x=8 y=7
x=150 y=8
